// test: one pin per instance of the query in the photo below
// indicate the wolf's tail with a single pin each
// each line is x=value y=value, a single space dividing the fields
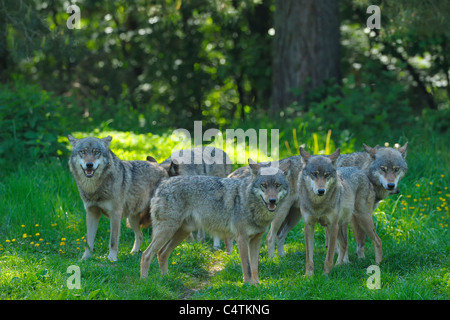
x=144 y=220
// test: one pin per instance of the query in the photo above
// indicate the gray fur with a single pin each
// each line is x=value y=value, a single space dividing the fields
x=118 y=189
x=289 y=212
x=333 y=197
x=229 y=208
x=383 y=166
x=214 y=162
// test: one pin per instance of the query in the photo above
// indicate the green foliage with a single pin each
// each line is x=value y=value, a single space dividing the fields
x=31 y=120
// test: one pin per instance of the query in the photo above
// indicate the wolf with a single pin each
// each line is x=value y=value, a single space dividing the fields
x=333 y=196
x=229 y=208
x=118 y=189
x=289 y=212
x=385 y=167
x=209 y=161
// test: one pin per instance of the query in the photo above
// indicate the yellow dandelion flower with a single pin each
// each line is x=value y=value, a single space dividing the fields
x=7 y=241
x=37 y=234
x=442 y=176
x=36 y=225
x=408 y=196
x=431 y=183
x=24 y=236
x=36 y=245
x=13 y=240
x=40 y=239
x=22 y=225
x=31 y=242
x=62 y=243
x=63 y=239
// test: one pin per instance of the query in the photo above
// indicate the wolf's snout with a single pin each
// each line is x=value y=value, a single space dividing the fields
x=391 y=185
x=321 y=192
x=272 y=200
x=89 y=165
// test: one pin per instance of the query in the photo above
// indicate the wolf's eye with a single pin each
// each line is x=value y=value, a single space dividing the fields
x=83 y=152
x=264 y=185
x=326 y=174
x=277 y=185
x=396 y=169
x=96 y=152
x=384 y=169
x=314 y=174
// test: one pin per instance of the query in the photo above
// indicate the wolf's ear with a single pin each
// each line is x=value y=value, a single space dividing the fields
x=253 y=166
x=151 y=159
x=403 y=149
x=285 y=168
x=174 y=168
x=107 y=141
x=370 y=150
x=335 y=155
x=73 y=141
x=305 y=155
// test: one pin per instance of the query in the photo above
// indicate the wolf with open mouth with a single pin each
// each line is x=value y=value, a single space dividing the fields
x=112 y=187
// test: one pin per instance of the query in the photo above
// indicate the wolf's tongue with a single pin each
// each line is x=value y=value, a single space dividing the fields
x=271 y=206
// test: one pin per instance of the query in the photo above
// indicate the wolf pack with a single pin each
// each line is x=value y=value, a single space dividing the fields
x=182 y=198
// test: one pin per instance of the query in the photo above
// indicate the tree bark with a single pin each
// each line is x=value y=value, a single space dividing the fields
x=306 y=49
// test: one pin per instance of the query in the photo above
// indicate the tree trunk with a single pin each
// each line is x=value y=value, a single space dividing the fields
x=306 y=49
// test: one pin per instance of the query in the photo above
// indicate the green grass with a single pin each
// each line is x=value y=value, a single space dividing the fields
x=42 y=229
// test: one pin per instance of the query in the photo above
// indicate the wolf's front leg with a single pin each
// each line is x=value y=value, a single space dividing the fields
x=254 y=247
x=309 y=244
x=242 y=242
x=133 y=221
x=114 y=235
x=332 y=231
x=92 y=218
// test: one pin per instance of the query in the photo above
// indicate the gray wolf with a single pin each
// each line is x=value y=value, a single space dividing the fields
x=331 y=197
x=229 y=208
x=288 y=214
x=208 y=161
x=118 y=189
x=385 y=167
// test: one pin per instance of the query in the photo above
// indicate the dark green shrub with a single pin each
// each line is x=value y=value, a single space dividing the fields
x=30 y=122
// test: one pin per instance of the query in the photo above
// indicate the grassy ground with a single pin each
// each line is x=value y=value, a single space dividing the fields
x=42 y=229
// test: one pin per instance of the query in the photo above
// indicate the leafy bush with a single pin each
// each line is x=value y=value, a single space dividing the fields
x=31 y=120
